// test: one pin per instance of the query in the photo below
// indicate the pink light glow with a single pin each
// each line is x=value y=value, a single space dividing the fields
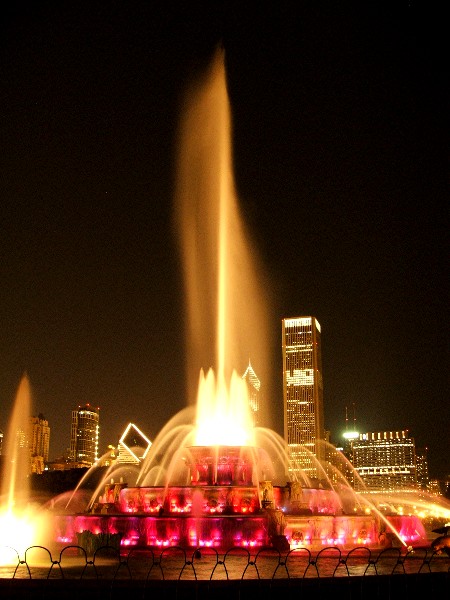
x=64 y=539
x=131 y=540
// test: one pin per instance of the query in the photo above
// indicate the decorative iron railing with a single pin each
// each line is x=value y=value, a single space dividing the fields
x=176 y=563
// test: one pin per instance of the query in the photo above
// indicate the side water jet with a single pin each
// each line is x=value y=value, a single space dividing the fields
x=21 y=524
x=128 y=471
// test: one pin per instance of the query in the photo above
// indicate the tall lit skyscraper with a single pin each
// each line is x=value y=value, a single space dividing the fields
x=253 y=388
x=303 y=395
x=84 y=435
x=39 y=443
x=423 y=477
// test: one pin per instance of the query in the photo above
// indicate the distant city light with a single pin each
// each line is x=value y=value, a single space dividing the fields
x=350 y=435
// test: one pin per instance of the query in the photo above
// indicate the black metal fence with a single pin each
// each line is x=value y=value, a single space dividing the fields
x=176 y=563
x=175 y=573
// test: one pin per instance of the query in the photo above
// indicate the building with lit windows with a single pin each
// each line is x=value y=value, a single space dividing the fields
x=84 y=434
x=303 y=395
x=423 y=477
x=385 y=461
x=39 y=443
x=253 y=390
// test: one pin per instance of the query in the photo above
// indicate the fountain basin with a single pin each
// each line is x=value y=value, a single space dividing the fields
x=222 y=532
x=223 y=517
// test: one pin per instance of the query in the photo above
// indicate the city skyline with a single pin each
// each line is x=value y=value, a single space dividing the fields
x=301 y=348
x=339 y=156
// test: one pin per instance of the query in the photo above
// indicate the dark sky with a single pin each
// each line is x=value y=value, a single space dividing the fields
x=340 y=116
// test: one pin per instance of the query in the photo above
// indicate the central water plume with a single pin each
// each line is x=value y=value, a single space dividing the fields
x=226 y=311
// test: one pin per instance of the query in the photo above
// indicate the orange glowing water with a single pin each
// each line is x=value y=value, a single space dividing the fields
x=20 y=523
x=15 y=488
x=226 y=307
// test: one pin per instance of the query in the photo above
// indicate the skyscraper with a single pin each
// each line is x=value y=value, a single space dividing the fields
x=423 y=477
x=84 y=435
x=303 y=395
x=385 y=461
x=39 y=443
x=253 y=389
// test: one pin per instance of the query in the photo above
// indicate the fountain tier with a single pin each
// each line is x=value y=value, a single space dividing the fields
x=224 y=507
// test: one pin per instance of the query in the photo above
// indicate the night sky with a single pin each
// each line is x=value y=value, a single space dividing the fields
x=340 y=135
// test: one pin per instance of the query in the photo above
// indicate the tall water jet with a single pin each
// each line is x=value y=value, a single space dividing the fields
x=226 y=305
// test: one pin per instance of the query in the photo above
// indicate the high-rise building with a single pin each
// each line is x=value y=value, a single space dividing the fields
x=385 y=461
x=39 y=443
x=423 y=477
x=253 y=390
x=84 y=435
x=303 y=396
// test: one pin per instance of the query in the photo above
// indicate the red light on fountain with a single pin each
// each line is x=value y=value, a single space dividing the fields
x=221 y=483
x=221 y=465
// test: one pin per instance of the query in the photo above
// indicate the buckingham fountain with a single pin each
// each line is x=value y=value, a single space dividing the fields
x=211 y=477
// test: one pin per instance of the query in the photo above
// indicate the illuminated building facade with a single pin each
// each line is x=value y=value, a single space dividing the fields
x=133 y=445
x=423 y=477
x=84 y=435
x=39 y=443
x=385 y=461
x=254 y=390
x=303 y=395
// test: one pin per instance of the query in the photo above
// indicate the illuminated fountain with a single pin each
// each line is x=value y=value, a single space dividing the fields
x=21 y=525
x=210 y=477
